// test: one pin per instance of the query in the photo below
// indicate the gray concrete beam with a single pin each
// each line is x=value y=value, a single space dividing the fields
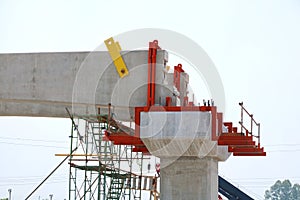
x=43 y=84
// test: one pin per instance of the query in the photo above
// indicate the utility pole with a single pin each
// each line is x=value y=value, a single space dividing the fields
x=9 y=194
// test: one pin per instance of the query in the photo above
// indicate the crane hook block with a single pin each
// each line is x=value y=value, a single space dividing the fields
x=114 y=51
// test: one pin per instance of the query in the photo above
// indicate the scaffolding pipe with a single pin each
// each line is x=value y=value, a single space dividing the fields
x=49 y=175
x=9 y=194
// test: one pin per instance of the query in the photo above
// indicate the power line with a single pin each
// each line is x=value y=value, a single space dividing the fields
x=275 y=145
x=18 y=178
x=30 y=178
x=34 y=140
x=267 y=178
x=33 y=183
x=34 y=145
x=284 y=150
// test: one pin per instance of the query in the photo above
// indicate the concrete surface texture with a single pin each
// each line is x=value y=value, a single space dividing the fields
x=43 y=84
x=189 y=157
x=189 y=178
x=175 y=134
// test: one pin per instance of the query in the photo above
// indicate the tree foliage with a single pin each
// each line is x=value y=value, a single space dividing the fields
x=283 y=191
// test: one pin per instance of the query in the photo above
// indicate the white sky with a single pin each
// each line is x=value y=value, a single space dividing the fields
x=255 y=46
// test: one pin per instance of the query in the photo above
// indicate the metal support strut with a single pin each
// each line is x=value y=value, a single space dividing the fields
x=153 y=46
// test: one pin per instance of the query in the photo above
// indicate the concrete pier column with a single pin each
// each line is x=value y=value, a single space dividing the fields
x=189 y=178
x=188 y=155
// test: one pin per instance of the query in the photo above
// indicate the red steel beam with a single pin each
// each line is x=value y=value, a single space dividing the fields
x=245 y=149
x=153 y=46
x=140 y=149
x=235 y=142
x=251 y=154
x=231 y=137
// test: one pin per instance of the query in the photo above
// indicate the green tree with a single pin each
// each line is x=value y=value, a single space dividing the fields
x=283 y=191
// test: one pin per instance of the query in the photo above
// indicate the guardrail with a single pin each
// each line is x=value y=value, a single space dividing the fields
x=252 y=123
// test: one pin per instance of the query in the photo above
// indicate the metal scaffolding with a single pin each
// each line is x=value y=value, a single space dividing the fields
x=101 y=170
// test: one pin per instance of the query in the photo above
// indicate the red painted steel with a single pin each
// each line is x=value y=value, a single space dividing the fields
x=242 y=149
x=229 y=126
x=122 y=138
x=239 y=144
x=140 y=149
x=177 y=71
x=168 y=101
x=235 y=142
x=153 y=46
x=251 y=154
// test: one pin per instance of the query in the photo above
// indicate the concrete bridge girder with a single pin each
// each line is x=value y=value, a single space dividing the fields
x=43 y=84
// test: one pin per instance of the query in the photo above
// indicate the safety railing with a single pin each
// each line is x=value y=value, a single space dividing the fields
x=252 y=123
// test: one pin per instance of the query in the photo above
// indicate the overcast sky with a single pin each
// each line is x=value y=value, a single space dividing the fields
x=255 y=46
